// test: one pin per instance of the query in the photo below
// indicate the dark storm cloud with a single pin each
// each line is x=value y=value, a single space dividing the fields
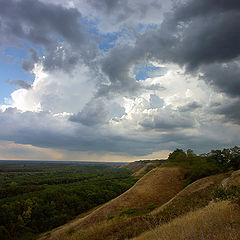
x=20 y=83
x=39 y=22
x=50 y=26
x=214 y=38
x=230 y=111
x=197 y=39
x=209 y=33
x=193 y=8
x=226 y=77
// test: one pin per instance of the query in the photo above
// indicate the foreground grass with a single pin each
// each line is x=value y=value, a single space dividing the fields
x=218 y=221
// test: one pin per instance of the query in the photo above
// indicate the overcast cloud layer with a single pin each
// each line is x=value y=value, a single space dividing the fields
x=123 y=77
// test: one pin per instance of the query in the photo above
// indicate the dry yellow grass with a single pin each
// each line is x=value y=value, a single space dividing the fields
x=194 y=196
x=218 y=221
x=155 y=188
x=112 y=230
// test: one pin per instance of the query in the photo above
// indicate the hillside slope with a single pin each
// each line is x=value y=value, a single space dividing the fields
x=193 y=197
x=153 y=189
x=215 y=221
x=163 y=188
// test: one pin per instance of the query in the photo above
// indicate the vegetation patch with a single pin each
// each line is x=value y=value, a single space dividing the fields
x=129 y=212
x=37 y=197
x=203 y=165
x=232 y=193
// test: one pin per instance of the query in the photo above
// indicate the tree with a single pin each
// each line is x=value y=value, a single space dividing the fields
x=227 y=158
x=178 y=155
x=235 y=157
x=190 y=156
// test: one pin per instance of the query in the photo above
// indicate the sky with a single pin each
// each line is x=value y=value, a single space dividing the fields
x=118 y=80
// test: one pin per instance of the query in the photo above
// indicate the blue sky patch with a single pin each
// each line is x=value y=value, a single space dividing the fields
x=10 y=68
x=146 y=70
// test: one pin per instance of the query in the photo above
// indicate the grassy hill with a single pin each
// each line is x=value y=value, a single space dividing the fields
x=194 y=199
x=189 y=197
x=152 y=190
